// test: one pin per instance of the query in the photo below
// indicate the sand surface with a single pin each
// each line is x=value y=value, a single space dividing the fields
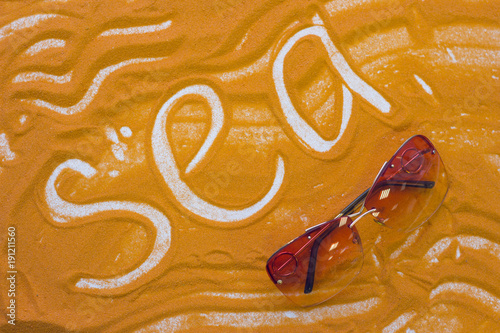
x=154 y=154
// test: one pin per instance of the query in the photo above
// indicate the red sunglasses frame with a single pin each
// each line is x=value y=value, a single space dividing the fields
x=387 y=176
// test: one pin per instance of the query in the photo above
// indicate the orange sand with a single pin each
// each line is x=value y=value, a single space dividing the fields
x=70 y=90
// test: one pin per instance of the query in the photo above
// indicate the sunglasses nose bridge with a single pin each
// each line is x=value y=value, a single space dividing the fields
x=373 y=210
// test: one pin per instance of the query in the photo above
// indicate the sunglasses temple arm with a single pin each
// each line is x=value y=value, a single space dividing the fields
x=315 y=247
x=417 y=183
x=311 y=270
x=354 y=204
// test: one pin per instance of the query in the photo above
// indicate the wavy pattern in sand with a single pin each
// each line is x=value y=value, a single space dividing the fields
x=42 y=77
x=51 y=43
x=317 y=95
x=25 y=23
x=252 y=320
x=137 y=30
x=93 y=89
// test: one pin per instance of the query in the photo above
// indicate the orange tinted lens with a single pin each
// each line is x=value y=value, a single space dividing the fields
x=410 y=187
x=319 y=264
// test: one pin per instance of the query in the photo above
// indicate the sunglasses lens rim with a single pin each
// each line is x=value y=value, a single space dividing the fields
x=373 y=192
x=330 y=275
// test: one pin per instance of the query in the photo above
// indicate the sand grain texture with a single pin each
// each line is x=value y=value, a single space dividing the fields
x=154 y=154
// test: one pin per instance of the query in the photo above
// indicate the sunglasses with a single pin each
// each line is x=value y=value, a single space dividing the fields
x=408 y=190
